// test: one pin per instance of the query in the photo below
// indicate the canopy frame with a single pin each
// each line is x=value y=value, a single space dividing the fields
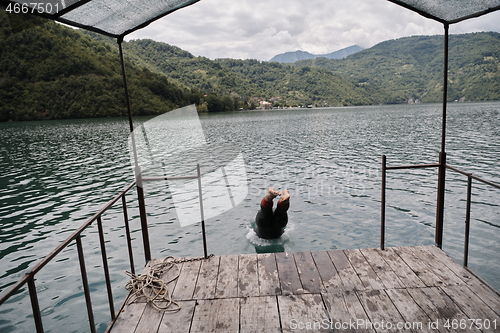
x=419 y=7
x=428 y=8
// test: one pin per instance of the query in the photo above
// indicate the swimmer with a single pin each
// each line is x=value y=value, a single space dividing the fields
x=269 y=224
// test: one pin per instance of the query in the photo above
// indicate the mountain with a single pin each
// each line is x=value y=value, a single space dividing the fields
x=291 y=57
x=411 y=68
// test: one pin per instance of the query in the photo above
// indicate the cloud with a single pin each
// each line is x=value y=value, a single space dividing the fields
x=260 y=29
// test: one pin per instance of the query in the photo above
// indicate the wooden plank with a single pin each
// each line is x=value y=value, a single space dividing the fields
x=418 y=266
x=150 y=320
x=269 y=283
x=348 y=275
x=484 y=292
x=259 y=315
x=401 y=269
x=438 y=268
x=415 y=318
x=216 y=315
x=308 y=273
x=459 y=270
x=186 y=282
x=472 y=305
x=439 y=307
x=363 y=269
x=207 y=278
x=384 y=317
x=303 y=313
x=248 y=276
x=329 y=276
x=227 y=280
x=388 y=277
x=129 y=318
x=288 y=275
x=178 y=322
x=169 y=275
x=343 y=278
x=346 y=312
x=488 y=296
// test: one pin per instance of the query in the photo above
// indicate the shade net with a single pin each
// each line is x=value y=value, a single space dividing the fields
x=118 y=18
x=450 y=11
x=114 y=18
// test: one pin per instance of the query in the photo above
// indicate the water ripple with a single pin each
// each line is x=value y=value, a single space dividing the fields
x=57 y=174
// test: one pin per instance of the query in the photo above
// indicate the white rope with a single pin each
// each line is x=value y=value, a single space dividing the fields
x=151 y=285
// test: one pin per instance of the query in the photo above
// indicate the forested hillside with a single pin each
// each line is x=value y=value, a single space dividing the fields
x=48 y=71
x=397 y=71
x=302 y=85
x=282 y=84
x=412 y=68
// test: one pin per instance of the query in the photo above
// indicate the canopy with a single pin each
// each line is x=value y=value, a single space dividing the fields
x=450 y=11
x=115 y=18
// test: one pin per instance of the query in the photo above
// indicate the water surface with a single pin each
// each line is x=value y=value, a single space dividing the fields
x=55 y=175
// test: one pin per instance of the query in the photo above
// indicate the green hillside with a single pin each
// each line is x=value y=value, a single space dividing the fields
x=291 y=85
x=412 y=68
x=396 y=71
x=48 y=71
x=283 y=84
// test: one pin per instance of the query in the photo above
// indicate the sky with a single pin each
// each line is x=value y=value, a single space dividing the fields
x=261 y=29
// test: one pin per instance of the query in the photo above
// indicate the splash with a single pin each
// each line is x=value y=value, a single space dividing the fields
x=269 y=245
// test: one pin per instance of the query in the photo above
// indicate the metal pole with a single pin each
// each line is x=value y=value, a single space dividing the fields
x=202 y=214
x=442 y=154
x=382 y=208
x=467 y=221
x=140 y=189
x=34 y=304
x=127 y=233
x=109 y=289
x=85 y=282
x=445 y=87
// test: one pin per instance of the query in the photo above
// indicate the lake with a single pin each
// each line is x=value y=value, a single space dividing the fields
x=56 y=174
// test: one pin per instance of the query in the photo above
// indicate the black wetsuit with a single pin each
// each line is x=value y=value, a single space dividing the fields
x=269 y=224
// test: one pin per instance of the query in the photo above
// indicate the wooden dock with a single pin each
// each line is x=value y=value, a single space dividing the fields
x=404 y=289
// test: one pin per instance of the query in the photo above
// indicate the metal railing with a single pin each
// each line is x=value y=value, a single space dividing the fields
x=470 y=177
x=29 y=277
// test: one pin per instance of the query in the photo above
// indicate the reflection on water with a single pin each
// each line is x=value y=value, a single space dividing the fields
x=56 y=174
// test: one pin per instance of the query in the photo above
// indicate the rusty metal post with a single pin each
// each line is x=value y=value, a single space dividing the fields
x=467 y=221
x=202 y=213
x=442 y=154
x=105 y=266
x=138 y=175
x=34 y=304
x=382 y=208
x=85 y=283
x=440 y=200
x=127 y=233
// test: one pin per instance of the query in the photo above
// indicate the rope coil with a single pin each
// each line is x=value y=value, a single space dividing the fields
x=153 y=288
